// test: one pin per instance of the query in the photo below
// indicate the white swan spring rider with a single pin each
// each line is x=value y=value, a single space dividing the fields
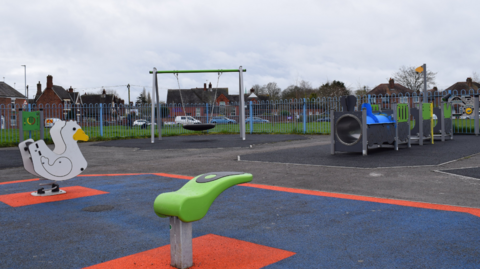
x=64 y=162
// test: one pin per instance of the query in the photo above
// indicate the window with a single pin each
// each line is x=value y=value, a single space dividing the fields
x=197 y=112
x=403 y=100
x=373 y=100
x=13 y=103
x=310 y=113
x=416 y=99
x=384 y=99
x=222 y=108
x=13 y=120
x=233 y=111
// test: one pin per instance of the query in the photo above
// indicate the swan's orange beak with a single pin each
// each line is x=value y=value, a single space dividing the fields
x=80 y=135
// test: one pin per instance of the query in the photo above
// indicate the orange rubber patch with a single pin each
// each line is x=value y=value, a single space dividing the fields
x=19 y=181
x=209 y=251
x=470 y=210
x=26 y=198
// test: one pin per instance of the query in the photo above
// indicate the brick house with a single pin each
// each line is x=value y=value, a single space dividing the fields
x=58 y=102
x=9 y=100
x=112 y=106
x=393 y=93
x=466 y=86
x=222 y=103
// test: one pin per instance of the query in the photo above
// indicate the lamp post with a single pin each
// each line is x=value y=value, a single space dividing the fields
x=128 y=86
x=25 y=72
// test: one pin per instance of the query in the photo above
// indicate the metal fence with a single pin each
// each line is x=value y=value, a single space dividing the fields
x=306 y=116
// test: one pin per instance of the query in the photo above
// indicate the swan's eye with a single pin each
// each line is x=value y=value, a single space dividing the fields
x=74 y=128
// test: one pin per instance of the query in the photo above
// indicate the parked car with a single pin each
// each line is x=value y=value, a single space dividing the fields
x=256 y=120
x=222 y=120
x=186 y=120
x=139 y=122
x=49 y=122
x=323 y=119
x=147 y=124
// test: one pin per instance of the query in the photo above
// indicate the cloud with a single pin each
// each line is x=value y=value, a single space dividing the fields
x=88 y=44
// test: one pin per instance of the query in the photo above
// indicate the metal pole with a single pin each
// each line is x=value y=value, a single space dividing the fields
x=20 y=127
x=251 y=118
x=242 y=104
x=42 y=124
x=425 y=100
x=475 y=110
x=159 y=119
x=152 y=120
x=25 y=72
x=128 y=87
x=201 y=71
x=101 y=120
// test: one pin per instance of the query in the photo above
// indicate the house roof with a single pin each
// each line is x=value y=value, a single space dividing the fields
x=390 y=88
x=463 y=86
x=194 y=96
x=7 y=91
x=98 y=99
x=62 y=93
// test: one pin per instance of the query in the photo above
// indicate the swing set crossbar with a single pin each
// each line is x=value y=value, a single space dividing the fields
x=200 y=71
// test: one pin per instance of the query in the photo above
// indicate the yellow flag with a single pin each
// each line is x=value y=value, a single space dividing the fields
x=419 y=69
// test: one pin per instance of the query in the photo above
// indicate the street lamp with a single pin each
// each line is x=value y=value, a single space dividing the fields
x=25 y=72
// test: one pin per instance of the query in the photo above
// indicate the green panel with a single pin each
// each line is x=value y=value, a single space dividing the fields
x=31 y=121
x=447 y=111
x=200 y=71
x=402 y=113
x=192 y=201
x=375 y=108
x=426 y=112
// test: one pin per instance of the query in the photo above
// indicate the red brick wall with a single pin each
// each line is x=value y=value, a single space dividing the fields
x=6 y=112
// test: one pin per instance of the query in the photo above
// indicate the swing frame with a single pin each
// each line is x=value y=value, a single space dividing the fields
x=155 y=95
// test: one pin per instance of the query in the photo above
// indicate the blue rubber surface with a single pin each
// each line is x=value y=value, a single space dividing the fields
x=323 y=232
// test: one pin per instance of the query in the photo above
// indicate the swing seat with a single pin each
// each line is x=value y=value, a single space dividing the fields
x=199 y=126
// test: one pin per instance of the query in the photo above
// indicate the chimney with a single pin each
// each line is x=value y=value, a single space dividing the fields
x=49 y=82
x=391 y=83
x=204 y=86
x=104 y=93
x=252 y=90
x=469 y=83
x=435 y=89
x=70 y=89
x=210 y=85
x=39 y=90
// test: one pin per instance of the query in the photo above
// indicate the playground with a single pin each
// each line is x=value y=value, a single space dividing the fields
x=379 y=191
x=293 y=214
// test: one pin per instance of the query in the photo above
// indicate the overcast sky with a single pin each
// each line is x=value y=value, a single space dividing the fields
x=90 y=44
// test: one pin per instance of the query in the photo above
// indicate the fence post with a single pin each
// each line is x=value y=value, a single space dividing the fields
x=101 y=120
x=29 y=109
x=20 y=126
x=206 y=107
x=42 y=124
x=475 y=110
x=251 y=118
x=304 y=116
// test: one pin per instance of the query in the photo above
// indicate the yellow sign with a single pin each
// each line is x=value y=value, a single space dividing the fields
x=468 y=110
x=419 y=69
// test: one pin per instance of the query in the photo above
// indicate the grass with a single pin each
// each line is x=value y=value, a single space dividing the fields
x=10 y=137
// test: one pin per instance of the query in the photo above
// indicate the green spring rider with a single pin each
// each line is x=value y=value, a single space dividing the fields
x=191 y=203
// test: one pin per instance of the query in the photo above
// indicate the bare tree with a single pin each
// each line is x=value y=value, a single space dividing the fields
x=259 y=90
x=333 y=89
x=273 y=91
x=362 y=90
x=408 y=77
x=475 y=77
x=149 y=98
x=289 y=92
x=305 y=88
